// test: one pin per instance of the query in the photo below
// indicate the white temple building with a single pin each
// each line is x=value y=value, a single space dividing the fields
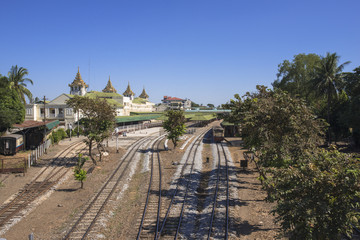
x=57 y=108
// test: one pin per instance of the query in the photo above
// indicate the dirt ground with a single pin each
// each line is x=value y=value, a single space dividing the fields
x=251 y=218
x=48 y=219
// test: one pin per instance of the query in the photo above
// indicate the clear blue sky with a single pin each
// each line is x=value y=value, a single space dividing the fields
x=204 y=50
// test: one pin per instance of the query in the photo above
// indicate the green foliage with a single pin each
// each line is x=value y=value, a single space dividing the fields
x=55 y=137
x=98 y=120
x=62 y=134
x=193 y=105
x=328 y=82
x=58 y=135
x=79 y=173
x=315 y=191
x=18 y=81
x=318 y=80
x=295 y=76
x=352 y=114
x=11 y=109
x=275 y=126
x=74 y=132
x=318 y=197
x=210 y=105
x=174 y=125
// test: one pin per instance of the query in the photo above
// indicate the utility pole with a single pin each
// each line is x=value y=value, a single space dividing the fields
x=44 y=120
x=78 y=120
x=44 y=109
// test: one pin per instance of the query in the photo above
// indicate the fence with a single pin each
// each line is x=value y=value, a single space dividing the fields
x=13 y=165
x=37 y=153
x=136 y=127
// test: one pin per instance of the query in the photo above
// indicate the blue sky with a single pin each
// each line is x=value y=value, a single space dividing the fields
x=204 y=50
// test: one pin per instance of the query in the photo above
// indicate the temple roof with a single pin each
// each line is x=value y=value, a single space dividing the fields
x=144 y=94
x=78 y=81
x=128 y=91
x=109 y=87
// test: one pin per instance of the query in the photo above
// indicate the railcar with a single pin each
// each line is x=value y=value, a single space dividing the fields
x=218 y=133
x=11 y=144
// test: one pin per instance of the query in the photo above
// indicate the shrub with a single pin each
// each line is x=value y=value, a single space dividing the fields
x=55 y=137
x=62 y=134
x=317 y=199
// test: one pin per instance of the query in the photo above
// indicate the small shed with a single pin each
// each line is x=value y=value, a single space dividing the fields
x=230 y=129
x=35 y=132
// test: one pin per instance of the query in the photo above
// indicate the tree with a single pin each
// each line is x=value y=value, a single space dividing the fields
x=277 y=127
x=11 y=108
x=328 y=81
x=210 y=105
x=318 y=197
x=98 y=120
x=193 y=105
x=315 y=191
x=352 y=116
x=174 y=125
x=18 y=81
x=79 y=173
x=295 y=76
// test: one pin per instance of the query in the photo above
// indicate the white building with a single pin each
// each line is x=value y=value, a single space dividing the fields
x=176 y=103
x=57 y=109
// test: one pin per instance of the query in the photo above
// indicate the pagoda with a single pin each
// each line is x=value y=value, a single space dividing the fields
x=109 y=87
x=144 y=94
x=78 y=86
x=129 y=93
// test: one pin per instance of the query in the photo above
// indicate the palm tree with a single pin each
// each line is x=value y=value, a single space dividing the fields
x=18 y=82
x=329 y=81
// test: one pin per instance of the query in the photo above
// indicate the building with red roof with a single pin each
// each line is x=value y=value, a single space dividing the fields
x=176 y=103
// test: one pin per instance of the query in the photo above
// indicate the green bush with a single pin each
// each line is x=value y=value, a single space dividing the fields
x=62 y=134
x=74 y=132
x=55 y=137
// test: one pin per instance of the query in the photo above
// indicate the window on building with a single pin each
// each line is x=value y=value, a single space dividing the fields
x=61 y=111
x=52 y=112
x=29 y=111
x=69 y=111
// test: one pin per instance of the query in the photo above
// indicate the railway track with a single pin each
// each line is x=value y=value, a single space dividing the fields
x=149 y=222
x=12 y=211
x=84 y=224
x=170 y=227
x=219 y=219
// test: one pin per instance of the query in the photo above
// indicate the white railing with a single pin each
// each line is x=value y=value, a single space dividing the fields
x=38 y=152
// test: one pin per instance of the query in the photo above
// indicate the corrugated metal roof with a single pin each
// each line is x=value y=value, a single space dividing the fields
x=202 y=117
x=52 y=124
x=224 y=123
x=122 y=119
x=32 y=124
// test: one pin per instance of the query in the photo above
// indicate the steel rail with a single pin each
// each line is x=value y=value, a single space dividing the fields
x=157 y=143
x=28 y=186
x=177 y=186
x=130 y=153
x=227 y=195
x=217 y=190
x=31 y=191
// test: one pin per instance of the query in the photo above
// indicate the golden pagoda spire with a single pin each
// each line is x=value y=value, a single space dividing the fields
x=109 y=87
x=78 y=81
x=128 y=91
x=144 y=94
